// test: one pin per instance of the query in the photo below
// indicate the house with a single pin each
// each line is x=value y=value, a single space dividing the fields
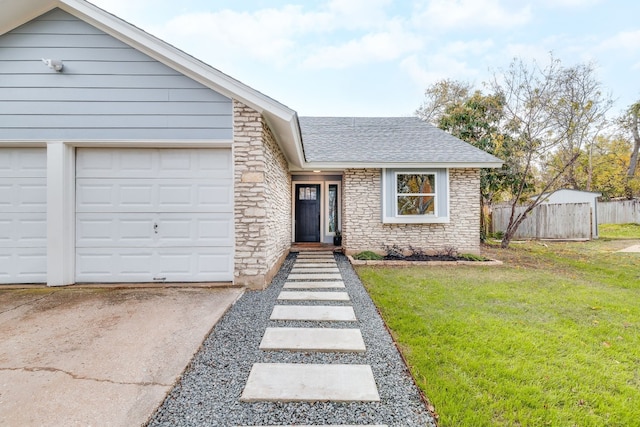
x=123 y=160
x=567 y=195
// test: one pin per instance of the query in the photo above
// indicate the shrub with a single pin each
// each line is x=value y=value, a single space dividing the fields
x=473 y=257
x=368 y=256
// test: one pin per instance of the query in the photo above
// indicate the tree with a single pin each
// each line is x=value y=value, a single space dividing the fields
x=580 y=109
x=601 y=166
x=547 y=109
x=476 y=120
x=440 y=96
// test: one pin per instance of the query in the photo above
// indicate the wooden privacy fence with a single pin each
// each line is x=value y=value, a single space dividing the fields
x=548 y=221
x=619 y=212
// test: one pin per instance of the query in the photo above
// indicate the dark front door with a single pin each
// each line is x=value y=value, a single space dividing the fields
x=307 y=212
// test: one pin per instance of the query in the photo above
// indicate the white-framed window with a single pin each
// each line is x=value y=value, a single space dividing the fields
x=411 y=196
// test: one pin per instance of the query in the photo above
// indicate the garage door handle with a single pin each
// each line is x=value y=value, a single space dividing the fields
x=155 y=228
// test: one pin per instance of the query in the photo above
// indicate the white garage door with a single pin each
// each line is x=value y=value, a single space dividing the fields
x=145 y=215
x=23 y=215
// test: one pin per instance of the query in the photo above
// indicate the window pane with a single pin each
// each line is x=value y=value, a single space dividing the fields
x=416 y=205
x=416 y=183
x=307 y=193
x=333 y=208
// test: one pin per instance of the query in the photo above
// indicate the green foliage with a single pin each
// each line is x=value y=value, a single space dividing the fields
x=550 y=338
x=601 y=167
x=477 y=120
x=368 y=256
x=473 y=257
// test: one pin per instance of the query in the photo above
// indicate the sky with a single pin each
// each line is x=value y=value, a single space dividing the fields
x=377 y=57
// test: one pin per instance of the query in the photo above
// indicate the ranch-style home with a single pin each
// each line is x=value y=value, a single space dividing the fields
x=125 y=160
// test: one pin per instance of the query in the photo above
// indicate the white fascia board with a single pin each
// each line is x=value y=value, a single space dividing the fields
x=396 y=165
x=297 y=136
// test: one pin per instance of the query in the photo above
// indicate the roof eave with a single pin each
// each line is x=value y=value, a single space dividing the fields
x=310 y=166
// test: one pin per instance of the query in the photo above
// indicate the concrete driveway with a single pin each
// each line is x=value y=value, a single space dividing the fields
x=104 y=357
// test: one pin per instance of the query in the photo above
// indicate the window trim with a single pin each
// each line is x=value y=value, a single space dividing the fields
x=390 y=187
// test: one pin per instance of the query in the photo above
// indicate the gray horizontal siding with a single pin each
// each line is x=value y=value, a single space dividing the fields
x=107 y=89
x=89 y=95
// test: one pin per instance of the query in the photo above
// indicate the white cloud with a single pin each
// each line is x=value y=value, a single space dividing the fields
x=358 y=14
x=463 y=14
x=570 y=3
x=473 y=47
x=373 y=47
x=263 y=34
x=437 y=67
x=282 y=36
x=628 y=41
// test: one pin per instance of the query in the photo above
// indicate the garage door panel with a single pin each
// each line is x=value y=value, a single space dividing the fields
x=117 y=230
x=174 y=230
x=23 y=265
x=26 y=230
x=107 y=266
x=154 y=265
x=210 y=264
x=23 y=195
x=153 y=230
x=146 y=215
x=23 y=163
x=159 y=195
x=150 y=163
x=23 y=206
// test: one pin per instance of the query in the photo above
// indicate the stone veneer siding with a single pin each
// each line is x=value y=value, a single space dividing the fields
x=262 y=200
x=362 y=226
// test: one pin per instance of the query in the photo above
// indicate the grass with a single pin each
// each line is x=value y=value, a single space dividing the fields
x=619 y=231
x=552 y=338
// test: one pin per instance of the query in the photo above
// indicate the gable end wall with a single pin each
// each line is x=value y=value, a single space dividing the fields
x=107 y=90
x=362 y=222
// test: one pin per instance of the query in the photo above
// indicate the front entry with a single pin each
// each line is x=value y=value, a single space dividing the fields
x=307 y=212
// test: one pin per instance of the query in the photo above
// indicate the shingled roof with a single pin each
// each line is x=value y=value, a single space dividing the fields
x=385 y=140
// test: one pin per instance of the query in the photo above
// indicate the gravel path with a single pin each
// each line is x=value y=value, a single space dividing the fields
x=209 y=391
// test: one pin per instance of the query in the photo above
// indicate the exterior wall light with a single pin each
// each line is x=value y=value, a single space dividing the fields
x=55 y=64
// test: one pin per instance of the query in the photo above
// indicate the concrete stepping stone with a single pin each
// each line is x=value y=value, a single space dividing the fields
x=313 y=285
x=298 y=382
x=329 y=261
x=299 y=264
x=317 y=313
x=297 y=269
x=313 y=339
x=327 y=425
x=314 y=276
x=313 y=296
x=317 y=256
x=309 y=253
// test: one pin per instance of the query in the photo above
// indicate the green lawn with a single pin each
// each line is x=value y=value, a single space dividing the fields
x=552 y=338
x=619 y=231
